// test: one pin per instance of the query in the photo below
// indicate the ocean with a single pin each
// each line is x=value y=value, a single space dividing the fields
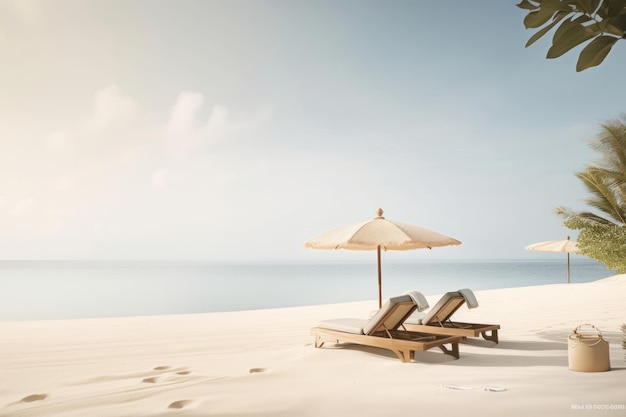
x=45 y=290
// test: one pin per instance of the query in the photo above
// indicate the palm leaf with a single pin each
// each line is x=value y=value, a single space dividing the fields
x=538 y=18
x=567 y=25
x=587 y=6
x=572 y=36
x=557 y=18
x=611 y=143
x=603 y=197
x=615 y=7
x=594 y=53
x=525 y=4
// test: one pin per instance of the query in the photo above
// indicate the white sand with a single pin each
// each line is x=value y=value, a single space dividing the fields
x=263 y=363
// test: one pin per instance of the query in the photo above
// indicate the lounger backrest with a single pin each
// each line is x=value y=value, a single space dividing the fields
x=391 y=315
x=445 y=307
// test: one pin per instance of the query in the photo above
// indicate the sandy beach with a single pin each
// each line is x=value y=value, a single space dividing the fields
x=264 y=363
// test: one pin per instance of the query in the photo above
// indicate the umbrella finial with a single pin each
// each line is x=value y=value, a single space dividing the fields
x=379 y=213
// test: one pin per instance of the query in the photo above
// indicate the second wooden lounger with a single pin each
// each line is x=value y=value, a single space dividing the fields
x=439 y=318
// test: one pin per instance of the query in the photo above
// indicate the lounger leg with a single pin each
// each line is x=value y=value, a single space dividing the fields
x=404 y=355
x=318 y=342
x=493 y=336
x=453 y=351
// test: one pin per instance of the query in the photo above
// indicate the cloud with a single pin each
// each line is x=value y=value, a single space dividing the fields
x=185 y=131
x=68 y=171
x=111 y=107
x=114 y=171
x=219 y=125
x=182 y=120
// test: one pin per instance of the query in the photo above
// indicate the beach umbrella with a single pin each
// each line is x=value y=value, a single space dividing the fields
x=567 y=245
x=380 y=233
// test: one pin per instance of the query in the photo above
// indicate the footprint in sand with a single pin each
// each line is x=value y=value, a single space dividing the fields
x=154 y=379
x=34 y=397
x=257 y=370
x=181 y=404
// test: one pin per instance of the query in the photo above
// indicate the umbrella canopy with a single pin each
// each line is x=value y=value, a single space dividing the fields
x=380 y=233
x=567 y=245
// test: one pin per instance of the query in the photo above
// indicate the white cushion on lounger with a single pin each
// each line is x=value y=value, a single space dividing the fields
x=391 y=315
x=470 y=298
x=418 y=299
x=347 y=325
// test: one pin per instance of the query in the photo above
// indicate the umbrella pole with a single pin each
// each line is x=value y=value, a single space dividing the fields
x=380 y=295
x=568 y=269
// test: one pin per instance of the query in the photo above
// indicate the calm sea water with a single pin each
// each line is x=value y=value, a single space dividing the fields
x=37 y=290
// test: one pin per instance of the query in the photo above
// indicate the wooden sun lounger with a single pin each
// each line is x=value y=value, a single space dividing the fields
x=385 y=330
x=404 y=344
x=438 y=321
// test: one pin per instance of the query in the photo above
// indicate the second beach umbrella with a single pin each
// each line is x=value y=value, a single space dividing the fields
x=380 y=233
x=567 y=245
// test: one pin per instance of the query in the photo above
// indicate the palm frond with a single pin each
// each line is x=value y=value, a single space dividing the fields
x=593 y=218
x=605 y=195
x=611 y=144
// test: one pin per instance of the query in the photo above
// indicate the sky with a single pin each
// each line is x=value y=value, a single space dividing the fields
x=235 y=130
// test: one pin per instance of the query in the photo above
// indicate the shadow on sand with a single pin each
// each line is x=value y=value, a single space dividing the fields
x=554 y=345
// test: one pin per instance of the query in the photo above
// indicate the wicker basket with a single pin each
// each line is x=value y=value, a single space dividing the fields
x=587 y=350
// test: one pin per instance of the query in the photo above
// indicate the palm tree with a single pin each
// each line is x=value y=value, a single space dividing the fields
x=603 y=237
x=606 y=179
